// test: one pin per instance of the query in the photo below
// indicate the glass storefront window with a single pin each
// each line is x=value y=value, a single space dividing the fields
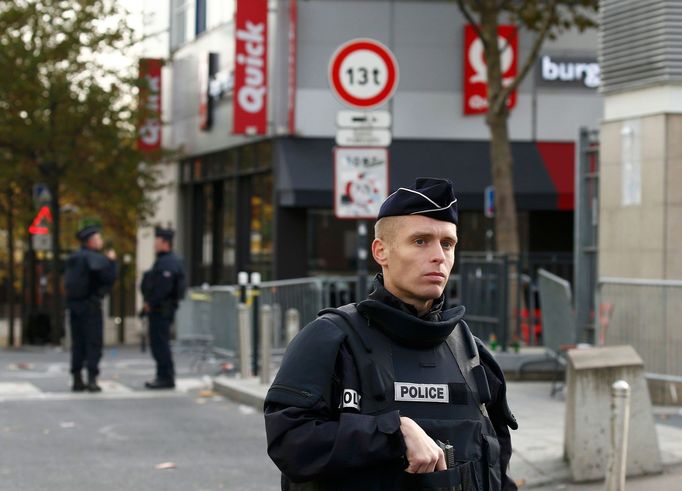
x=247 y=158
x=264 y=154
x=207 y=233
x=229 y=259
x=333 y=244
x=197 y=170
x=186 y=171
x=260 y=244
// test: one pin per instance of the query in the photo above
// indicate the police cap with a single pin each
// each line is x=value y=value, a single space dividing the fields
x=164 y=233
x=85 y=233
x=428 y=196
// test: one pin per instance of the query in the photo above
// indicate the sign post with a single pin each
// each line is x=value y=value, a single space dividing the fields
x=363 y=74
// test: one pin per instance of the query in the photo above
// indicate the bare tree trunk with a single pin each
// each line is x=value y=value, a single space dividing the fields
x=506 y=230
x=506 y=227
x=10 y=267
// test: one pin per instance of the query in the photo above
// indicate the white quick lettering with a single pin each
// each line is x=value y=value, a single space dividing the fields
x=251 y=96
x=569 y=71
x=351 y=399
x=407 y=392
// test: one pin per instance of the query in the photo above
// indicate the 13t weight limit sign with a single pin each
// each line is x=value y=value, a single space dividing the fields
x=363 y=73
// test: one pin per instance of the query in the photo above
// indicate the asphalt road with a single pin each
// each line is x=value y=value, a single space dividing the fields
x=53 y=439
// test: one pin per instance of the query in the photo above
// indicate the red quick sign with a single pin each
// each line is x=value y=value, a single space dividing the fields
x=149 y=131
x=476 y=73
x=251 y=61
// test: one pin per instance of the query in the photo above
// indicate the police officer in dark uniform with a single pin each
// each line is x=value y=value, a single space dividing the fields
x=394 y=393
x=88 y=278
x=163 y=287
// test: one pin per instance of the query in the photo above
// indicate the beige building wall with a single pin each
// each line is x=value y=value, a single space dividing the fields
x=640 y=233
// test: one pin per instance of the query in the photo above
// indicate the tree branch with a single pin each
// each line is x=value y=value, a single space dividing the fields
x=470 y=19
x=530 y=59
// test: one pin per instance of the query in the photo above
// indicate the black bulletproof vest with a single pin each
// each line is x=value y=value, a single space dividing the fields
x=443 y=388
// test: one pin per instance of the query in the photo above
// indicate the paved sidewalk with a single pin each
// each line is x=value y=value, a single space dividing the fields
x=537 y=461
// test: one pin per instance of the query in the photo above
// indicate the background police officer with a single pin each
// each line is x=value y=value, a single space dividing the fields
x=365 y=393
x=88 y=278
x=162 y=287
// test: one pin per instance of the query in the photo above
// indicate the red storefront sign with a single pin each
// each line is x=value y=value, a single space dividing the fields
x=293 y=28
x=149 y=130
x=251 y=67
x=476 y=73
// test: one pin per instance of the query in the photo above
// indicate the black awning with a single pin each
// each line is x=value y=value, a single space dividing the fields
x=305 y=171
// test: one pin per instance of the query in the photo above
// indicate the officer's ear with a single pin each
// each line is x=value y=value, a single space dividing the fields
x=380 y=252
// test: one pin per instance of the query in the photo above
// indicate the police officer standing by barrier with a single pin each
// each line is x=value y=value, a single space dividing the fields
x=88 y=278
x=163 y=287
x=394 y=393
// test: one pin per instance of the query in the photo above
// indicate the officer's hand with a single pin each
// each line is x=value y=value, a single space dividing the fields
x=423 y=455
x=111 y=254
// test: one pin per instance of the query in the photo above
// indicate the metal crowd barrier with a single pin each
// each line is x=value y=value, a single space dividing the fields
x=207 y=322
x=645 y=314
x=208 y=326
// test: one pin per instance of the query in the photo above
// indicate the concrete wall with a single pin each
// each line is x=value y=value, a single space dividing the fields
x=642 y=239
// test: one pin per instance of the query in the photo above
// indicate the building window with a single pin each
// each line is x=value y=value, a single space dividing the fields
x=180 y=22
x=200 y=17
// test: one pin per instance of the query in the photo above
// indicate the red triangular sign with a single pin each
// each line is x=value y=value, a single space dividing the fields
x=39 y=225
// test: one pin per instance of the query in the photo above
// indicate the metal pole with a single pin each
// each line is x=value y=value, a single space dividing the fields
x=265 y=315
x=122 y=303
x=620 y=422
x=56 y=307
x=244 y=340
x=361 y=286
x=255 y=293
x=293 y=321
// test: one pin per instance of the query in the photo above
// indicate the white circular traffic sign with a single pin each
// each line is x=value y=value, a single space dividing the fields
x=363 y=73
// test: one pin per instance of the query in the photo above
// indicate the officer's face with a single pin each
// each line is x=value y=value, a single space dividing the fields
x=416 y=258
x=161 y=245
x=95 y=242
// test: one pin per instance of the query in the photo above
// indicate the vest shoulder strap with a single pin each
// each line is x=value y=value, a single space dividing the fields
x=371 y=353
x=463 y=347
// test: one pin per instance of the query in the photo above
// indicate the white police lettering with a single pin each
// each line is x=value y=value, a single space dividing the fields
x=251 y=95
x=408 y=392
x=351 y=399
x=569 y=71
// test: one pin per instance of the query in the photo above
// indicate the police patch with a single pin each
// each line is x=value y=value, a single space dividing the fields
x=408 y=392
x=351 y=399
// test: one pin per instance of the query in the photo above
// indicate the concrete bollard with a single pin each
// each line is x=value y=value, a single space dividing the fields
x=293 y=324
x=620 y=422
x=265 y=343
x=244 y=318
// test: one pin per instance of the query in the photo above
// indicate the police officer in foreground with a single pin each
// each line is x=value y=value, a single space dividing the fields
x=394 y=393
x=163 y=287
x=88 y=278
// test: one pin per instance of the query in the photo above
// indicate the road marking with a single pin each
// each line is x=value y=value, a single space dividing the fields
x=24 y=391
x=18 y=389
